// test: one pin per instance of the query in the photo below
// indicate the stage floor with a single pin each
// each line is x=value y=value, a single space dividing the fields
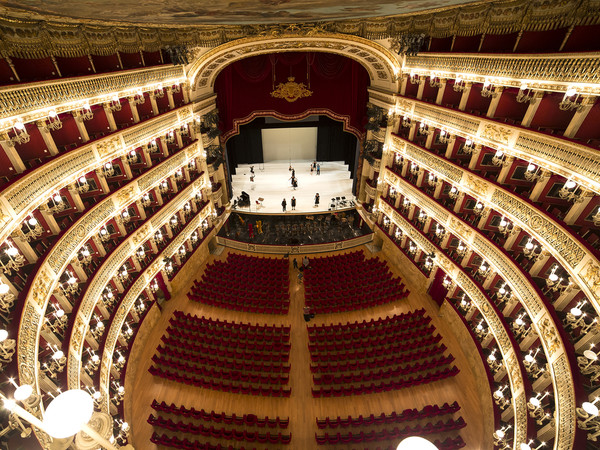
x=272 y=183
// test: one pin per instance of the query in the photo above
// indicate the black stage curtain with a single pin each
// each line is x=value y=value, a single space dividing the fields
x=246 y=147
x=333 y=144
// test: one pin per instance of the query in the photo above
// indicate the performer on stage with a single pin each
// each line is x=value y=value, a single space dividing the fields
x=317 y=198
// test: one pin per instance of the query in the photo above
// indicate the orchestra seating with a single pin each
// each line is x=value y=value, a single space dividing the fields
x=245 y=283
x=225 y=356
x=348 y=282
x=377 y=356
x=246 y=428
x=381 y=428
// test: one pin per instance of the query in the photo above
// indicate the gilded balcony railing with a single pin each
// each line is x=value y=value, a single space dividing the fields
x=31 y=191
x=573 y=255
x=542 y=320
x=32 y=101
x=556 y=72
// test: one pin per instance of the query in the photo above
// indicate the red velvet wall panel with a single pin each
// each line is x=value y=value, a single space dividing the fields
x=548 y=115
x=108 y=63
x=338 y=85
x=589 y=129
x=152 y=58
x=68 y=134
x=35 y=69
x=466 y=44
x=131 y=60
x=508 y=107
x=541 y=41
x=499 y=43
x=72 y=67
x=6 y=74
x=583 y=39
x=440 y=44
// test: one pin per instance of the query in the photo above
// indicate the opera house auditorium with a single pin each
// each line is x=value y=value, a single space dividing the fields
x=299 y=224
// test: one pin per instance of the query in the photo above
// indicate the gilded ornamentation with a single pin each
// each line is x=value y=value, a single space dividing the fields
x=40 y=288
x=124 y=196
x=550 y=336
x=291 y=91
x=496 y=133
x=477 y=185
x=108 y=147
x=460 y=228
x=591 y=278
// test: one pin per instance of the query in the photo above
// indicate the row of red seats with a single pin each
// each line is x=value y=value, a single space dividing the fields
x=213 y=361
x=385 y=386
x=212 y=372
x=373 y=355
x=217 y=324
x=263 y=354
x=382 y=374
x=393 y=360
x=250 y=260
x=352 y=304
x=241 y=291
x=396 y=434
x=247 y=420
x=362 y=333
x=371 y=324
x=191 y=379
x=222 y=333
x=404 y=416
x=401 y=337
x=236 y=340
x=260 y=347
x=328 y=293
x=264 y=307
x=185 y=444
x=342 y=257
x=219 y=433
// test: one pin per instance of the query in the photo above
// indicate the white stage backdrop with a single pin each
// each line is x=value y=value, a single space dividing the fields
x=283 y=144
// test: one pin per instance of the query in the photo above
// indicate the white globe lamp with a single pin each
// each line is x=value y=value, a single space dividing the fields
x=416 y=443
x=67 y=414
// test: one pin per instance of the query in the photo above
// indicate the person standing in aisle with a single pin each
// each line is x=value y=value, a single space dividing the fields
x=293 y=203
x=283 y=204
x=318 y=169
x=317 y=198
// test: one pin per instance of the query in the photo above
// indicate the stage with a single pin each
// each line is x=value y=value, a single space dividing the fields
x=272 y=183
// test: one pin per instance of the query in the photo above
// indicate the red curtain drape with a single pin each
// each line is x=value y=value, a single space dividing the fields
x=437 y=290
x=338 y=85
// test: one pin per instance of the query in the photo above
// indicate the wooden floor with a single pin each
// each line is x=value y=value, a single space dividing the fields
x=301 y=407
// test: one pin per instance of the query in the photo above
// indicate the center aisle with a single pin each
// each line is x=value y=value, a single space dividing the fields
x=301 y=407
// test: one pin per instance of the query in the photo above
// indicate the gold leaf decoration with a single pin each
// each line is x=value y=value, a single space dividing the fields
x=291 y=91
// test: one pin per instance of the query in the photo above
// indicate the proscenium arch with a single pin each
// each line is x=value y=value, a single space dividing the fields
x=382 y=65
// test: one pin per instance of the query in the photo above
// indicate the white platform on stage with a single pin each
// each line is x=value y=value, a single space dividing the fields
x=272 y=183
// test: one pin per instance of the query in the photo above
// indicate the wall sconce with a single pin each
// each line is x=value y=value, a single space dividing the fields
x=192 y=165
x=422 y=217
x=7 y=299
x=104 y=235
x=528 y=446
x=481 y=331
x=176 y=88
x=569 y=192
x=483 y=269
x=536 y=409
x=499 y=159
x=459 y=85
x=159 y=91
x=146 y=200
x=504 y=226
x=520 y=328
x=493 y=362
x=163 y=187
x=152 y=146
x=440 y=232
x=412 y=249
x=587 y=364
x=108 y=170
x=444 y=137
x=532 y=366
x=554 y=282
x=157 y=238
x=123 y=274
x=21 y=135
x=532 y=173
x=569 y=101
x=32 y=229
x=124 y=217
x=133 y=157
x=596 y=218
x=576 y=318
x=114 y=104
x=53 y=122
x=154 y=286
x=119 y=393
x=140 y=254
x=56 y=203
x=406 y=122
x=500 y=398
x=56 y=364
x=182 y=251
x=530 y=251
x=500 y=437
x=194 y=237
x=469 y=147
x=138 y=98
x=424 y=129
x=447 y=283
x=488 y=90
x=15 y=259
x=414 y=78
x=174 y=221
x=589 y=420
x=98 y=330
x=178 y=174
x=453 y=193
x=478 y=209
x=168 y=265
x=435 y=81
x=432 y=180
x=170 y=137
x=503 y=293
x=82 y=184
x=92 y=364
x=525 y=94
x=465 y=305
x=86 y=112
x=7 y=348
x=461 y=249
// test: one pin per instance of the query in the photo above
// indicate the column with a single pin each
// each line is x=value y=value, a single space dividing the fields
x=540 y=185
x=578 y=207
x=512 y=237
x=508 y=160
x=163 y=146
x=441 y=90
x=169 y=90
x=403 y=84
x=421 y=88
x=534 y=104
x=413 y=130
x=474 y=157
x=153 y=103
x=47 y=136
x=459 y=202
x=495 y=101
x=126 y=167
x=25 y=248
x=178 y=138
x=185 y=89
x=102 y=180
x=11 y=153
x=85 y=137
x=76 y=197
x=50 y=220
x=420 y=177
x=78 y=269
x=580 y=115
x=109 y=116
x=147 y=157
x=99 y=246
x=539 y=264
x=429 y=140
x=141 y=209
x=450 y=147
x=465 y=96
x=483 y=218
x=134 y=110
